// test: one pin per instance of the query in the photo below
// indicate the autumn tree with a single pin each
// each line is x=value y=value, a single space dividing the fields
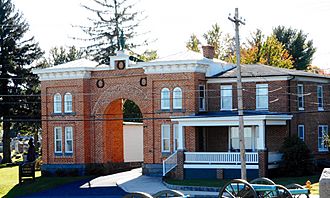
x=296 y=43
x=114 y=19
x=18 y=86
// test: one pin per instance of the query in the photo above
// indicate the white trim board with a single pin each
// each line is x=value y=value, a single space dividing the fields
x=219 y=166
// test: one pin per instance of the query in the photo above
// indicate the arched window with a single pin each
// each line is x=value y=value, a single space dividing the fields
x=68 y=103
x=57 y=103
x=177 y=98
x=165 y=99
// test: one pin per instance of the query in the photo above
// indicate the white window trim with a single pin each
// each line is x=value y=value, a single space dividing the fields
x=177 y=96
x=254 y=136
x=169 y=139
x=175 y=134
x=199 y=99
x=57 y=103
x=66 y=109
x=162 y=99
x=323 y=149
x=303 y=128
x=55 y=140
x=300 y=95
x=259 y=86
x=66 y=146
x=226 y=87
x=322 y=97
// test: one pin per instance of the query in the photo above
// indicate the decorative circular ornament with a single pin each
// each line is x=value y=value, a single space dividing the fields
x=100 y=83
x=143 y=81
x=121 y=65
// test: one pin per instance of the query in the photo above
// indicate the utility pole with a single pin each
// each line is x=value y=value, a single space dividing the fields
x=238 y=22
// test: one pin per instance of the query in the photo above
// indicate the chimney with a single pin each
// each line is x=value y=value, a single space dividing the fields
x=208 y=51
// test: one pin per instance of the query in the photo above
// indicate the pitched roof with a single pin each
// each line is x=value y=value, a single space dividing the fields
x=258 y=70
x=80 y=63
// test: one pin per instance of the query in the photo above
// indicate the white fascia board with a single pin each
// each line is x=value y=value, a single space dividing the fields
x=218 y=166
x=312 y=79
x=63 y=74
x=233 y=120
x=175 y=67
x=248 y=79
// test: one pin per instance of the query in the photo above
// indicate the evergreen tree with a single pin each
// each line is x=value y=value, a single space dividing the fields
x=193 y=43
x=115 y=19
x=295 y=41
x=18 y=85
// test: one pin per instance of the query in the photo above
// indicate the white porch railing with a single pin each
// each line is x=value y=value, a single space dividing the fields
x=220 y=157
x=170 y=163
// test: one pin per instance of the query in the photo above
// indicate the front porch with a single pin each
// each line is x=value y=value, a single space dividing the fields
x=217 y=146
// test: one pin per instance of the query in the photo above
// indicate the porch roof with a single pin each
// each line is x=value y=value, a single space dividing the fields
x=230 y=118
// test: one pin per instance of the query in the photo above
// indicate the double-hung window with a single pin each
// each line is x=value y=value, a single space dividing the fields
x=262 y=96
x=68 y=140
x=249 y=138
x=58 y=139
x=300 y=95
x=301 y=132
x=226 y=97
x=202 y=97
x=165 y=99
x=323 y=130
x=177 y=98
x=166 y=137
x=57 y=103
x=320 y=98
x=68 y=103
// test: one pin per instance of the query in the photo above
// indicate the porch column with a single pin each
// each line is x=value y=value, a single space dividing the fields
x=261 y=145
x=181 y=140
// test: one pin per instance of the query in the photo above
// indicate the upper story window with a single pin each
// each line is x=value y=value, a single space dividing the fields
x=226 y=97
x=68 y=103
x=177 y=98
x=166 y=137
x=165 y=99
x=68 y=139
x=58 y=139
x=57 y=103
x=262 y=96
x=300 y=95
x=202 y=97
x=323 y=130
x=301 y=132
x=320 y=98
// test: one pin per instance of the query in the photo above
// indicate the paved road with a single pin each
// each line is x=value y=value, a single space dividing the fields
x=82 y=189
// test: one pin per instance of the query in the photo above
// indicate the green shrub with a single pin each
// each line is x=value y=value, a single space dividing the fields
x=297 y=159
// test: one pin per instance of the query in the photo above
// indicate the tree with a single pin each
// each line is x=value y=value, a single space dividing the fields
x=148 y=55
x=268 y=52
x=114 y=21
x=193 y=43
x=61 y=55
x=17 y=83
x=213 y=38
x=295 y=41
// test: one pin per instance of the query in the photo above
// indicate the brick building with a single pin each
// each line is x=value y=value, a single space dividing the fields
x=189 y=108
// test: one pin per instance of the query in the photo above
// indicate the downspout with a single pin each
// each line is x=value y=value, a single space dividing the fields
x=289 y=100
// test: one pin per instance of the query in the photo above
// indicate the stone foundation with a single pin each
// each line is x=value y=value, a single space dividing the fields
x=325 y=183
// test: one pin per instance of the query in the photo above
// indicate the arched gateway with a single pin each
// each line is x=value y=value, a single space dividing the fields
x=179 y=99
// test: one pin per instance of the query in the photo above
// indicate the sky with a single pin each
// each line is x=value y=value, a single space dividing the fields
x=170 y=23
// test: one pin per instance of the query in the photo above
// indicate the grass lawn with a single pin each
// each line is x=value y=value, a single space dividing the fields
x=9 y=182
x=281 y=180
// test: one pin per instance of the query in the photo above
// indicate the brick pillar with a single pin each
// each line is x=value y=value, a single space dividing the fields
x=179 y=172
x=220 y=174
x=263 y=162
